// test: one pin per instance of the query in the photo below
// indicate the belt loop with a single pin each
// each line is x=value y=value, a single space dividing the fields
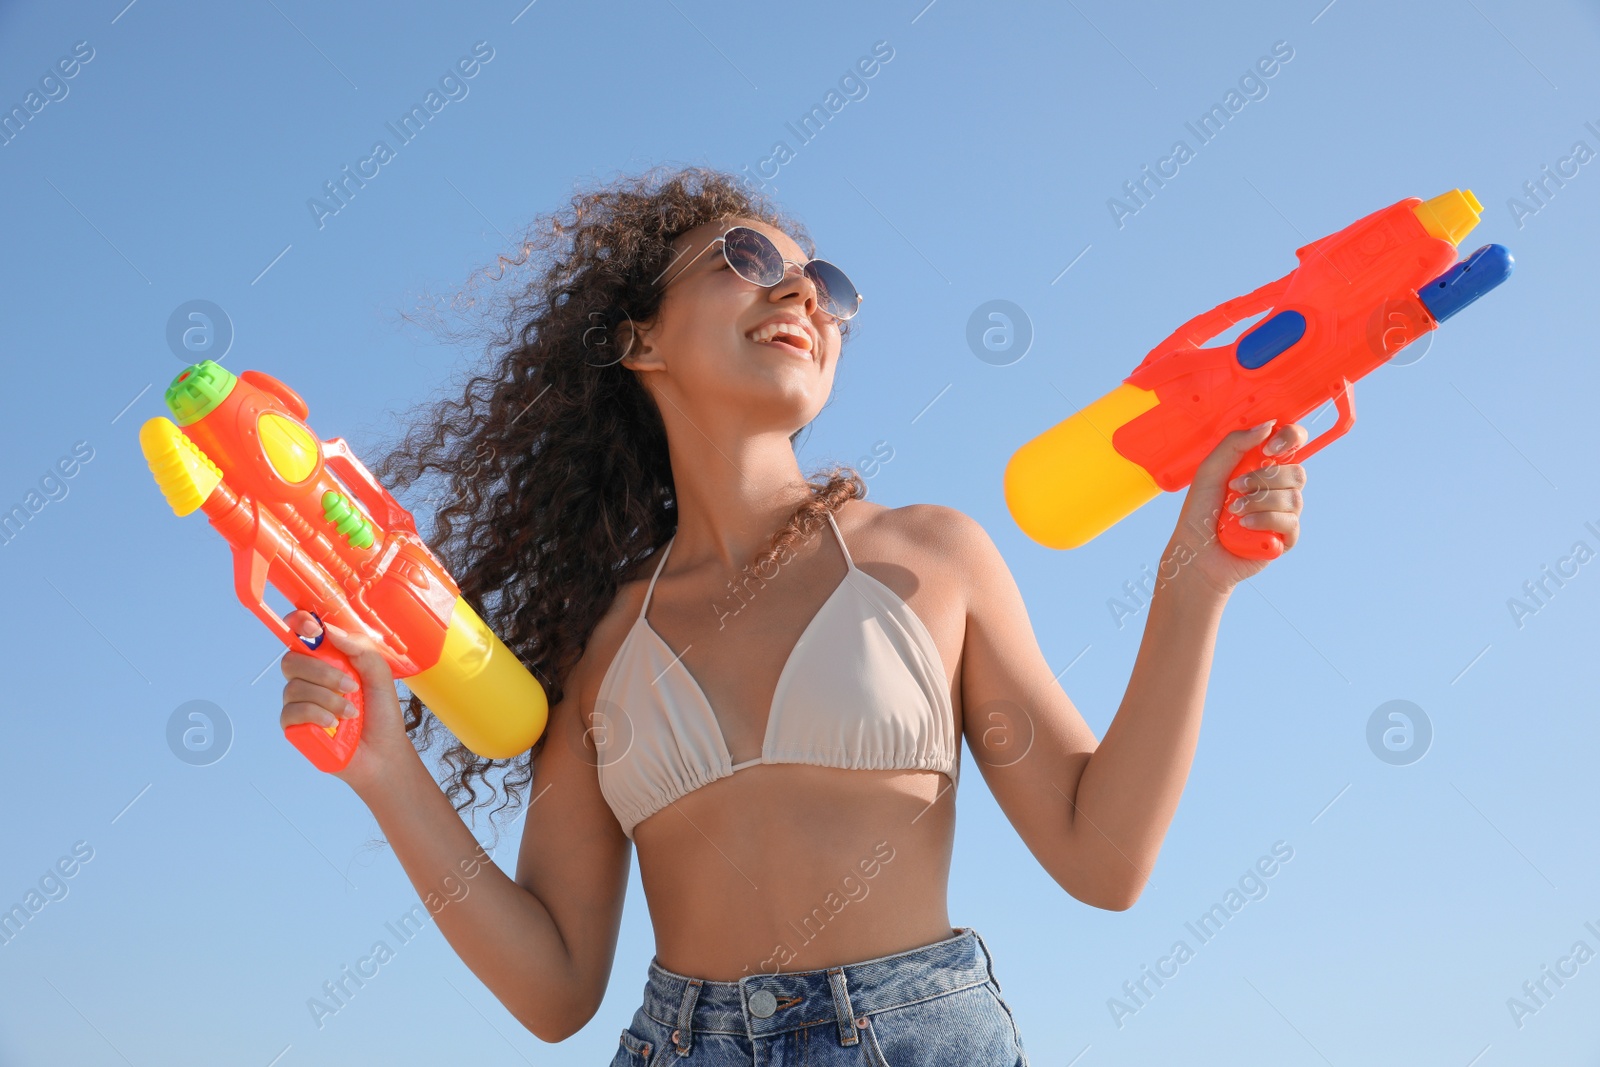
x=683 y=1036
x=988 y=957
x=841 y=1007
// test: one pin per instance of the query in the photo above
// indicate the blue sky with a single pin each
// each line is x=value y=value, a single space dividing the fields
x=976 y=164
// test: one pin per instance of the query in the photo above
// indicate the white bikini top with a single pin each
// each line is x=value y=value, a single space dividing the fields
x=863 y=689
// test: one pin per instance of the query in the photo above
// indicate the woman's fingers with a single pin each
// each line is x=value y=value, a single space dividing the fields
x=1282 y=476
x=1268 y=500
x=303 y=623
x=364 y=657
x=1284 y=523
x=307 y=703
x=1229 y=451
x=298 y=691
x=1291 y=435
x=298 y=713
x=314 y=690
x=297 y=665
x=311 y=711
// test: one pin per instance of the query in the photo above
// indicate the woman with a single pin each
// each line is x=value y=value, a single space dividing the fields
x=773 y=718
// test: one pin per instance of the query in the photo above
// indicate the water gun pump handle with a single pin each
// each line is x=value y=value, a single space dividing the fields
x=329 y=752
x=1244 y=542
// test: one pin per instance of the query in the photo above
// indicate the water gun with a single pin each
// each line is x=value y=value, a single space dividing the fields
x=1357 y=297
x=309 y=518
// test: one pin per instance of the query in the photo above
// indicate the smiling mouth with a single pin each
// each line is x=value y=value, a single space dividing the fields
x=786 y=346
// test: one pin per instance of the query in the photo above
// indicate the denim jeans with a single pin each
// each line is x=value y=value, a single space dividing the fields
x=938 y=1004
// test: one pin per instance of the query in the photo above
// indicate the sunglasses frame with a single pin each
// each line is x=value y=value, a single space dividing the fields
x=721 y=240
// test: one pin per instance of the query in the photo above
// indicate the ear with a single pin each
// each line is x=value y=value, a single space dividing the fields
x=634 y=340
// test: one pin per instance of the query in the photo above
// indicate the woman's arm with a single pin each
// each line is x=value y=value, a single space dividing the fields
x=544 y=943
x=1123 y=800
x=1095 y=814
x=501 y=931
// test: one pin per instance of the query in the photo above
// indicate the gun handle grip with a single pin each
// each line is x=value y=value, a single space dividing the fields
x=1241 y=540
x=1264 y=544
x=331 y=752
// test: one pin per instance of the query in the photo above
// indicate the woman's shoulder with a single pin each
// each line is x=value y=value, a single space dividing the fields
x=931 y=530
x=925 y=553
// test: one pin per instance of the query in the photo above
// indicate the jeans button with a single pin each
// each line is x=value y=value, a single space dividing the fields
x=763 y=1003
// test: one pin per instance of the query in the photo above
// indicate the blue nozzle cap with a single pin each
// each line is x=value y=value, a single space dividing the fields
x=1466 y=281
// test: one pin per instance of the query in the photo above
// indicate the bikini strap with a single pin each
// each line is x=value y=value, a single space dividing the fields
x=848 y=562
x=652 y=587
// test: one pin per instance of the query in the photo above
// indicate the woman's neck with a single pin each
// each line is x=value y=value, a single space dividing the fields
x=731 y=498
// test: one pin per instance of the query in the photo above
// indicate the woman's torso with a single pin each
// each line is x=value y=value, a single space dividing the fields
x=784 y=867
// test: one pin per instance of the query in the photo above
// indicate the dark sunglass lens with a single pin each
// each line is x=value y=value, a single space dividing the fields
x=839 y=296
x=754 y=256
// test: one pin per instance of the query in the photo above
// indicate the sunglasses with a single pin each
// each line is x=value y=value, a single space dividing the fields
x=754 y=257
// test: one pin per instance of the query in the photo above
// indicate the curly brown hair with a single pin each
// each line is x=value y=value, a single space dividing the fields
x=556 y=481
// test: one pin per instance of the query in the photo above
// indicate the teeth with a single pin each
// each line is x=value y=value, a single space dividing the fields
x=784 y=329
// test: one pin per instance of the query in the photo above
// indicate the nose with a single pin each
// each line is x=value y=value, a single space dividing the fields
x=796 y=280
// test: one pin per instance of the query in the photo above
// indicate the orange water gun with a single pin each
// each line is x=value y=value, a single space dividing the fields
x=1357 y=297
x=309 y=518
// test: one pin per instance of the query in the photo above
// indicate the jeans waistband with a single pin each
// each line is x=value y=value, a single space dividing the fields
x=765 y=1004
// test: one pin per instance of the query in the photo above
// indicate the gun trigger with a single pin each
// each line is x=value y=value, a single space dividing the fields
x=1344 y=400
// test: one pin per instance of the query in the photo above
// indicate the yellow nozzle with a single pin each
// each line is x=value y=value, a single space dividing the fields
x=1069 y=484
x=481 y=691
x=185 y=474
x=1450 y=216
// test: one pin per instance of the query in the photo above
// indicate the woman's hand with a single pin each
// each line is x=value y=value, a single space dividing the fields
x=1272 y=502
x=315 y=692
